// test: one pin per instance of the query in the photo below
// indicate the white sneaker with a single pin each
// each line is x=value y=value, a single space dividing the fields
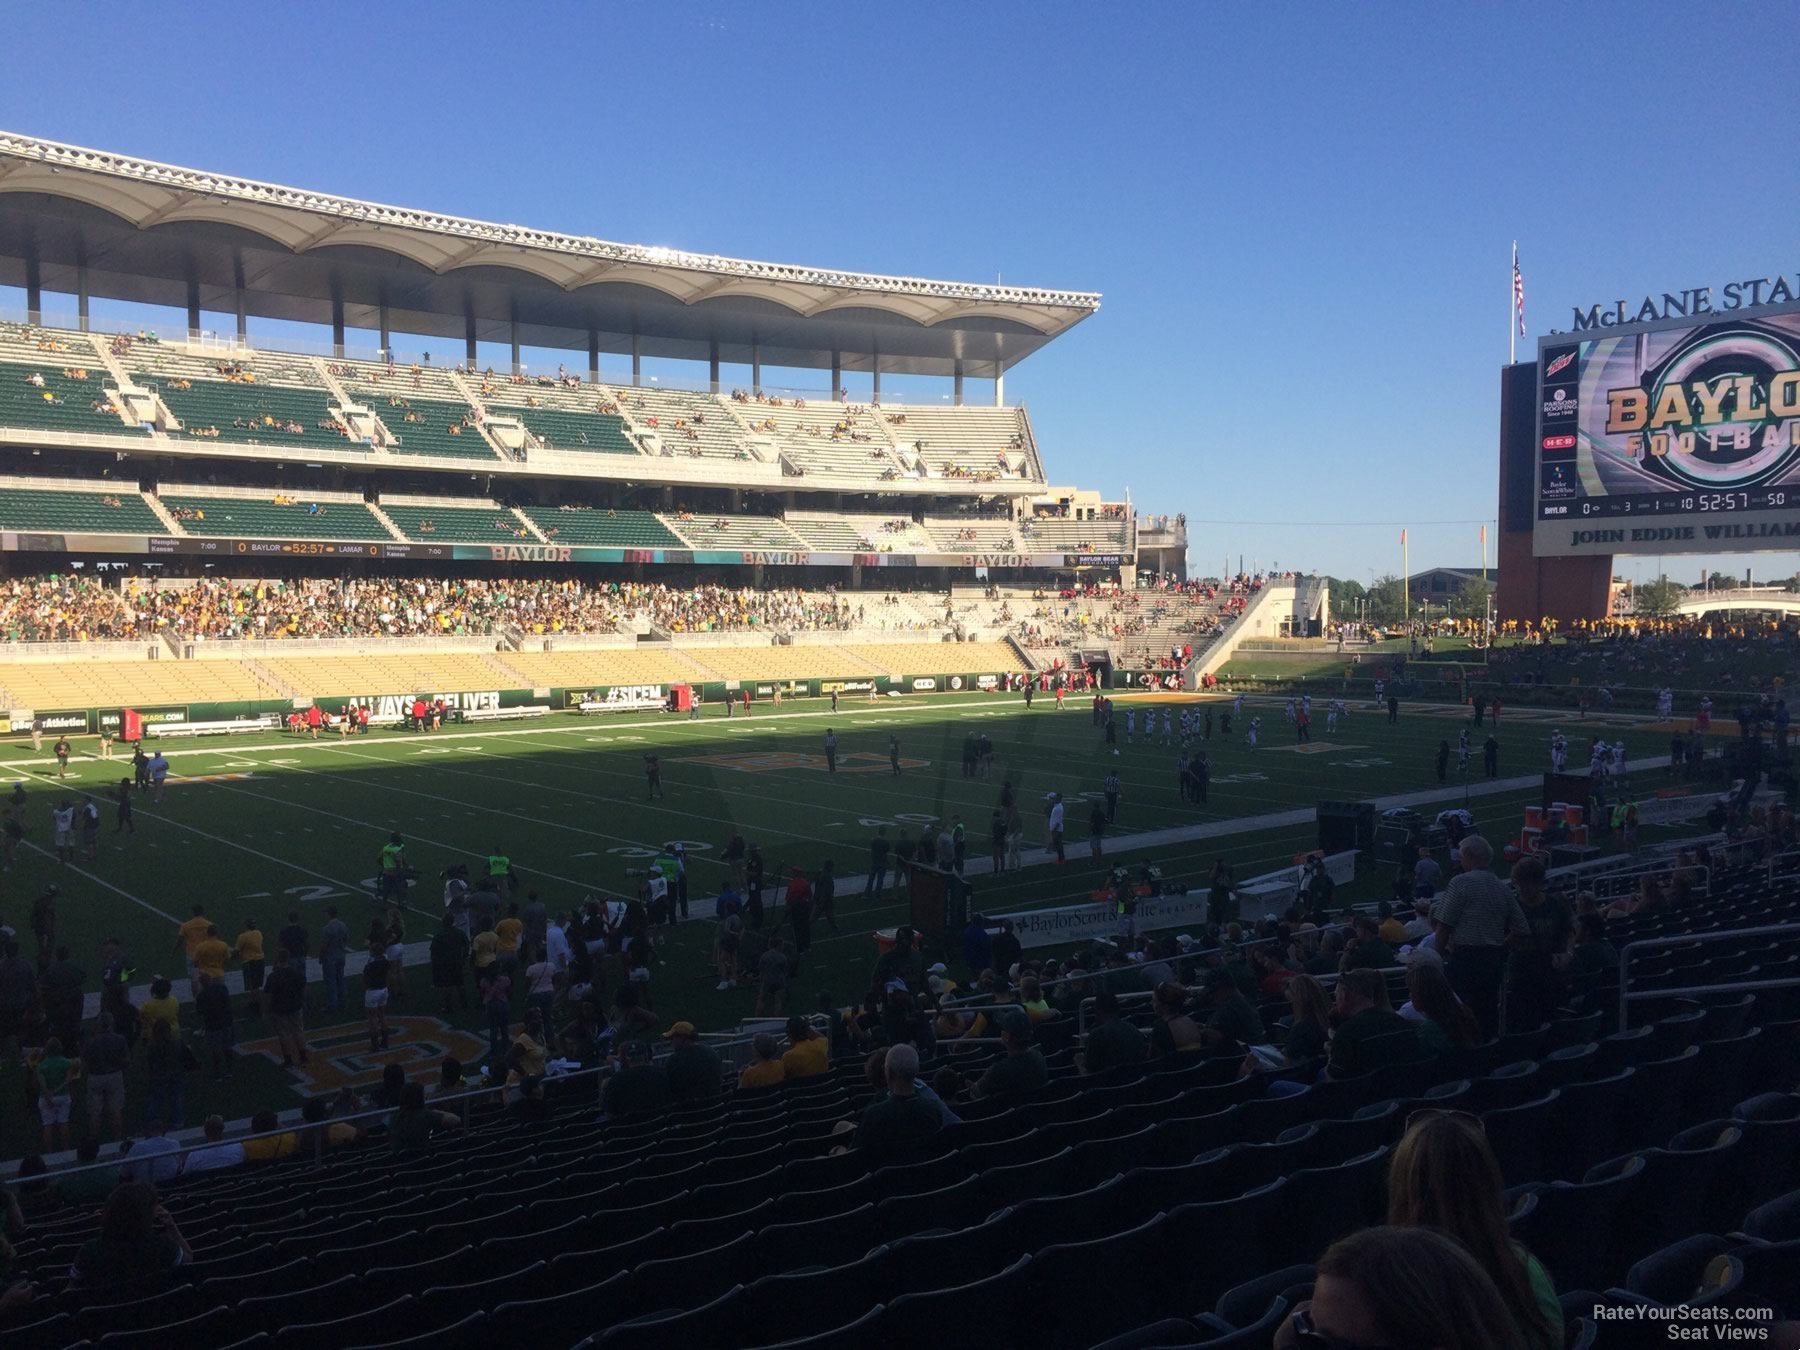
x=723 y=984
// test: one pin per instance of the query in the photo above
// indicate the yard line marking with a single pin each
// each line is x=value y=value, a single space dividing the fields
x=101 y=881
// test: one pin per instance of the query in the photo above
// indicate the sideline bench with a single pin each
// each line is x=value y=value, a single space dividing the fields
x=263 y=722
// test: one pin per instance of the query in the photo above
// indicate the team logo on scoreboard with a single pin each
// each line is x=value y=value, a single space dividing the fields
x=1722 y=410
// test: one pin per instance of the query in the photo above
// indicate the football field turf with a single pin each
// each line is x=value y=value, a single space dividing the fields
x=260 y=825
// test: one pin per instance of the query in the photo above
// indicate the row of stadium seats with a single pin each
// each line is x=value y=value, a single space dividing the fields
x=26 y=506
x=240 y=392
x=66 y=684
x=1178 y=1197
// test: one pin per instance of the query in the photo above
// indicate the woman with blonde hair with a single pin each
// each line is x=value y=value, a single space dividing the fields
x=1444 y=1177
x=1311 y=1029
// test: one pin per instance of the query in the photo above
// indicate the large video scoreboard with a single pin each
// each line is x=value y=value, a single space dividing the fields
x=1679 y=436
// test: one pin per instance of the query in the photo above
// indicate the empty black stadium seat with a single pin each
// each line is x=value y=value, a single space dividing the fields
x=857 y=1335
x=1568 y=1031
x=1258 y=1334
x=389 y=1321
x=707 y=1327
x=1244 y=1304
x=1624 y=1049
x=1325 y=1203
x=1653 y=1102
x=468 y=1334
x=1777 y=1062
x=1046 y=1176
x=1574 y=1227
x=1586 y=1124
x=1065 y=1276
x=1771 y=1276
x=985 y=1312
x=1223 y=1243
x=1517 y=1134
x=97 y=1319
x=203 y=1328
x=1726 y=1018
x=1671 y=1034
x=1212 y=1176
x=1696 y=1271
x=445 y=1304
x=789 y=1304
x=1776 y=1220
x=557 y=1317
x=1170 y=1331
x=919 y=1261
x=953 y=1206
x=1508 y=1085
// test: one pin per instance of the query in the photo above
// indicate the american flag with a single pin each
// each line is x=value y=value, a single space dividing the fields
x=1518 y=291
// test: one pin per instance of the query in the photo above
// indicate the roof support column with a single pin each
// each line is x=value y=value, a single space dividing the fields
x=593 y=355
x=337 y=325
x=469 y=353
x=637 y=362
x=193 y=308
x=713 y=364
x=956 y=396
x=875 y=367
x=999 y=386
x=514 y=327
x=756 y=368
x=34 y=288
x=238 y=296
x=837 y=376
x=81 y=293
x=387 y=332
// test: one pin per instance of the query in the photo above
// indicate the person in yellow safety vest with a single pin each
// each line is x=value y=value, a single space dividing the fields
x=1625 y=823
x=392 y=865
x=500 y=869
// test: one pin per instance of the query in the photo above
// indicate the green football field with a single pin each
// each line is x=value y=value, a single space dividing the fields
x=263 y=824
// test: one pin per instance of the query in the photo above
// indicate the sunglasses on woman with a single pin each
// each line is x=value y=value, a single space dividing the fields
x=1309 y=1337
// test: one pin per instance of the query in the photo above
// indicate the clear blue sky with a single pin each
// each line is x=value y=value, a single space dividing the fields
x=1299 y=215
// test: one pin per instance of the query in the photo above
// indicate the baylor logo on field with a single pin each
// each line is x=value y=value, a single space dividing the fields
x=339 y=1056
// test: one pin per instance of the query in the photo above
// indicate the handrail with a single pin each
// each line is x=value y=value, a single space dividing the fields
x=318 y=1128
x=1627 y=995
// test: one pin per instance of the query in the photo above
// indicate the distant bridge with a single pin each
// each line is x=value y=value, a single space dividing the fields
x=1765 y=599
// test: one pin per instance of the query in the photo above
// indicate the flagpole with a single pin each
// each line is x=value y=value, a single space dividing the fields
x=1405 y=580
x=1512 y=311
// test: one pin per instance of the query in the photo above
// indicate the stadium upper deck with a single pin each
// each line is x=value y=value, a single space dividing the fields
x=86 y=222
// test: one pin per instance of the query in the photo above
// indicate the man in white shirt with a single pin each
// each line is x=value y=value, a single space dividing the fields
x=557 y=952
x=153 y=1158
x=217 y=1155
x=1056 y=827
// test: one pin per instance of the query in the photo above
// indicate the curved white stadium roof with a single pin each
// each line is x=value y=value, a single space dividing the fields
x=213 y=239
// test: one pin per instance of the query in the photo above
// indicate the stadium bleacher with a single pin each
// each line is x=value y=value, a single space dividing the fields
x=1650 y=1167
x=443 y=520
x=603 y=528
x=103 y=684
x=728 y=531
x=966 y=442
x=563 y=417
x=220 y=511
x=1048 y=534
x=407 y=671
x=603 y=666
x=28 y=504
x=973 y=534
x=706 y=429
x=419 y=426
x=860 y=534
x=36 y=392
x=826 y=437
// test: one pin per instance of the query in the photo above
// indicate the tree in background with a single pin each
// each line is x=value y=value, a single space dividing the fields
x=1387 y=601
x=1346 y=599
x=1471 y=599
x=1659 y=599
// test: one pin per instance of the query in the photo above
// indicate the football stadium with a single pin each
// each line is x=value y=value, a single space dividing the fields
x=588 y=856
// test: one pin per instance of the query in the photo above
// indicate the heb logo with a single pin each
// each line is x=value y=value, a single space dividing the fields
x=529 y=553
x=775 y=558
x=922 y=685
x=1559 y=442
x=987 y=681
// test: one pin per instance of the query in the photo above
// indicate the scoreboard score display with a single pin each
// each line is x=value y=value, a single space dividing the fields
x=1678 y=436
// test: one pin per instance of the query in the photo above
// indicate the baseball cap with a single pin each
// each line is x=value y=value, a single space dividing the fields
x=939 y=969
x=682 y=1029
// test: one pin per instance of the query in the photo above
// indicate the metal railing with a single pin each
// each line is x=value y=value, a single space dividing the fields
x=1627 y=995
